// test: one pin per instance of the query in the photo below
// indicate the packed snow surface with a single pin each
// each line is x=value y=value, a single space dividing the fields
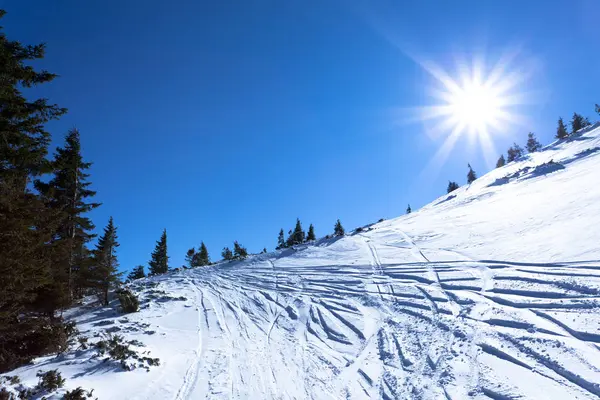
x=490 y=292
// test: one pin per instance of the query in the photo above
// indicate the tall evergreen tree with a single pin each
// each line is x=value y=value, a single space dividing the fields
x=136 y=273
x=598 y=108
x=311 y=234
x=280 y=240
x=190 y=256
x=514 y=152
x=561 y=130
x=452 y=186
x=501 y=162
x=471 y=175
x=202 y=257
x=578 y=122
x=264 y=251
x=408 y=209
x=532 y=143
x=298 y=234
x=338 y=229
x=27 y=226
x=227 y=254
x=105 y=265
x=159 y=263
x=67 y=192
x=239 y=251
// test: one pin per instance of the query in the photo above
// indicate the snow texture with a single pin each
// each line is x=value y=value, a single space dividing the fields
x=491 y=292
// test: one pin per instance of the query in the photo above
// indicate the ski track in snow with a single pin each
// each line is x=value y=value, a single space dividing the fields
x=397 y=330
x=491 y=292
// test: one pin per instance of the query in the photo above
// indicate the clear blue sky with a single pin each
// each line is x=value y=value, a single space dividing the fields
x=225 y=120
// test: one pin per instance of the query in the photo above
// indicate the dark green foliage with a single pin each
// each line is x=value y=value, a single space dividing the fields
x=280 y=240
x=501 y=162
x=24 y=143
x=452 y=186
x=189 y=257
x=136 y=273
x=408 y=209
x=117 y=349
x=239 y=252
x=202 y=258
x=338 y=229
x=514 y=152
x=227 y=254
x=297 y=236
x=159 y=263
x=311 y=234
x=128 y=300
x=50 y=380
x=598 y=108
x=264 y=250
x=471 y=175
x=66 y=193
x=27 y=224
x=104 y=271
x=532 y=143
x=78 y=394
x=561 y=130
x=578 y=122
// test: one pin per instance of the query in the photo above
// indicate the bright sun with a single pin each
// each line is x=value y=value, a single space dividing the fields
x=475 y=106
x=477 y=102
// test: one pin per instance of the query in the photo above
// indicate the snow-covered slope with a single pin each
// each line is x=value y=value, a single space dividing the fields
x=490 y=292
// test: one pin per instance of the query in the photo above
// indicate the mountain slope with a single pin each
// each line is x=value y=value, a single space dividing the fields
x=490 y=292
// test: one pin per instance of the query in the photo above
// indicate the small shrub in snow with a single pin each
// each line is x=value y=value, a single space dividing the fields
x=118 y=349
x=78 y=394
x=50 y=380
x=129 y=301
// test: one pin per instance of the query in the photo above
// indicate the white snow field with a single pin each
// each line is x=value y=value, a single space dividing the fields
x=491 y=292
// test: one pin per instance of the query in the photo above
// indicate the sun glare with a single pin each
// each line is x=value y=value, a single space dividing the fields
x=475 y=106
x=477 y=102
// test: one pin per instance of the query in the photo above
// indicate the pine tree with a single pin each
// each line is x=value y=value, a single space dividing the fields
x=202 y=257
x=514 y=152
x=239 y=252
x=452 y=186
x=501 y=162
x=136 y=273
x=264 y=250
x=408 y=209
x=471 y=175
x=227 y=254
x=298 y=234
x=67 y=193
x=27 y=226
x=190 y=256
x=578 y=122
x=105 y=265
x=598 y=108
x=532 y=143
x=159 y=263
x=338 y=229
x=290 y=240
x=561 y=130
x=311 y=234
x=280 y=240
